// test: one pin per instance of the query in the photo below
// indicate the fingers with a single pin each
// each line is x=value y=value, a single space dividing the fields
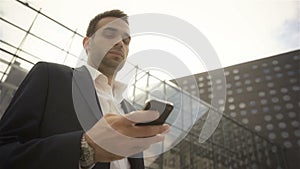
x=127 y=127
x=148 y=131
x=142 y=116
x=114 y=136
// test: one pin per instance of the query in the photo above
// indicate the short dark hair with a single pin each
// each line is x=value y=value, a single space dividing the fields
x=112 y=13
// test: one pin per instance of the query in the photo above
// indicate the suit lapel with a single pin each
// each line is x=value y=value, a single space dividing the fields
x=85 y=100
x=89 y=111
x=127 y=107
x=136 y=161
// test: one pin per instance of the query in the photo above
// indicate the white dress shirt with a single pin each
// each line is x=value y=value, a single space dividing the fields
x=110 y=98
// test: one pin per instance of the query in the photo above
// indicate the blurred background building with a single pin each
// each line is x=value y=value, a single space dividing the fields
x=260 y=125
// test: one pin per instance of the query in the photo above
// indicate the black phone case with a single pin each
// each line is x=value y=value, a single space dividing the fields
x=162 y=107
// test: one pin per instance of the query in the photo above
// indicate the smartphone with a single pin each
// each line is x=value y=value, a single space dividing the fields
x=163 y=107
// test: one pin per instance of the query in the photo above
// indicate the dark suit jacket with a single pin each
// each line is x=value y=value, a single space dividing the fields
x=40 y=128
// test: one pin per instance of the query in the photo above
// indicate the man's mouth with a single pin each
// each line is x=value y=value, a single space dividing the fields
x=118 y=53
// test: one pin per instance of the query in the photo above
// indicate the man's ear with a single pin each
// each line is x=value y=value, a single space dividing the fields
x=85 y=41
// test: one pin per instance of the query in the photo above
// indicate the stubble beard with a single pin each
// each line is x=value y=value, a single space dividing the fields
x=111 y=65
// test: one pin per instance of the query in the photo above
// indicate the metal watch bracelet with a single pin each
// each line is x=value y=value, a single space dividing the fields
x=87 y=154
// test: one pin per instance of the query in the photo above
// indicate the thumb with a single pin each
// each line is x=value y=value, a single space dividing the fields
x=142 y=116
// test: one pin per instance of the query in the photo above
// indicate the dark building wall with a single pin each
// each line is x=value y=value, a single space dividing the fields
x=263 y=95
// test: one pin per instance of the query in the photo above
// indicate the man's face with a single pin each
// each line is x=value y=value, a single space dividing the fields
x=109 y=46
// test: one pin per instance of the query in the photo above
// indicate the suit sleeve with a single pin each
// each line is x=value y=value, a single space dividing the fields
x=20 y=142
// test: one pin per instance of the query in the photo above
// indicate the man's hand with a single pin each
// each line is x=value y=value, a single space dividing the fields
x=115 y=136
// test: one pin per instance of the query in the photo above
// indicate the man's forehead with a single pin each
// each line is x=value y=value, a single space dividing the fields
x=115 y=23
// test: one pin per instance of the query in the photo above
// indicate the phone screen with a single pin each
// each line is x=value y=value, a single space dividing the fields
x=163 y=107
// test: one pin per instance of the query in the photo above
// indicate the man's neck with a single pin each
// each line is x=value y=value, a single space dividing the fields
x=109 y=73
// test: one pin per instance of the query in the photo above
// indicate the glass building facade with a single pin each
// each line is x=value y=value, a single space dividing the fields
x=232 y=145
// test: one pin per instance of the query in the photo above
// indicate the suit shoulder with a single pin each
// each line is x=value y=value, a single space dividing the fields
x=54 y=66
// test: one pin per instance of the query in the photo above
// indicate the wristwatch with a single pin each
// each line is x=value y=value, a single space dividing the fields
x=87 y=154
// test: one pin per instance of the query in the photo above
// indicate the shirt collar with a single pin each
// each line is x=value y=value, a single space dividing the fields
x=117 y=88
x=93 y=72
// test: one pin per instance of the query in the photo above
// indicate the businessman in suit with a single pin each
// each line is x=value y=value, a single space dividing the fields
x=68 y=118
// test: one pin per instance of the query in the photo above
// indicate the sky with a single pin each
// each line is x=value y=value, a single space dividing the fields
x=238 y=30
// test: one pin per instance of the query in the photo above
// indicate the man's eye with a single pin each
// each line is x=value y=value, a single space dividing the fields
x=109 y=34
x=126 y=40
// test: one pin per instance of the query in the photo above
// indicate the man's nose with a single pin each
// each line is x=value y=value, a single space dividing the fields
x=119 y=43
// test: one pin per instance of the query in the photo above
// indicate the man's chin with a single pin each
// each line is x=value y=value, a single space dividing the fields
x=120 y=65
x=117 y=64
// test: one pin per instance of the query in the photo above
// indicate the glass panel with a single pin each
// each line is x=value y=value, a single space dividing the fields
x=10 y=10
x=139 y=98
x=171 y=138
x=11 y=34
x=70 y=61
x=24 y=66
x=5 y=57
x=3 y=66
x=186 y=112
x=43 y=50
x=76 y=47
x=156 y=90
x=7 y=48
x=28 y=57
x=52 y=32
x=4 y=77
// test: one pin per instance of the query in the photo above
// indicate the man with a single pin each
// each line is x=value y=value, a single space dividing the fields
x=70 y=118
